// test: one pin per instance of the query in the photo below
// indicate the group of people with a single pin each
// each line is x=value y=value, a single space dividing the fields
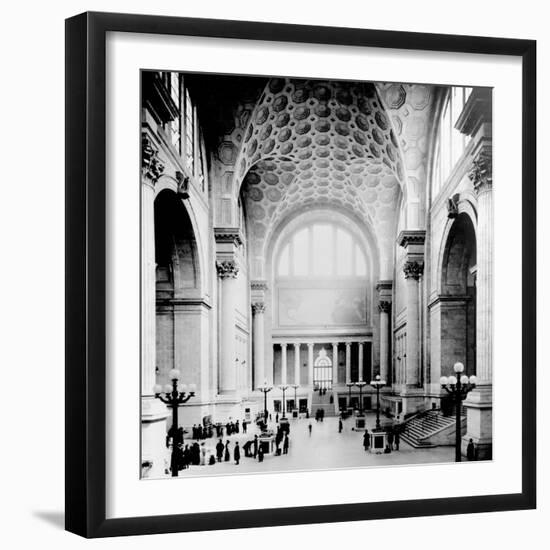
x=183 y=457
x=319 y=415
x=230 y=428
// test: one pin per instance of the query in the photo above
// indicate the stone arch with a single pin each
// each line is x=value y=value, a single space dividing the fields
x=457 y=298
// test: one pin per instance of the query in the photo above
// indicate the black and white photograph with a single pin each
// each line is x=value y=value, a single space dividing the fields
x=316 y=274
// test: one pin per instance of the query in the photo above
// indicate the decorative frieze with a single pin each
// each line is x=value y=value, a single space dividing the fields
x=227 y=269
x=481 y=173
x=151 y=166
x=413 y=270
x=258 y=286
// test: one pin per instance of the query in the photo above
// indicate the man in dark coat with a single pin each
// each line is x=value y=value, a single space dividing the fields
x=366 y=440
x=340 y=426
x=237 y=453
x=237 y=427
x=396 y=438
x=226 y=455
x=285 y=445
x=244 y=426
x=471 y=450
x=219 y=450
x=260 y=455
x=246 y=448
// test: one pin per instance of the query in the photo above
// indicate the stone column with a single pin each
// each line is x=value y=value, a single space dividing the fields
x=413 y=272
x=296 y=363
x=384 y=307
x=334 y=363
x=283 y=363
x=310 y=363
x=361 y=361
x=348 y=362
x=258 y=311
x=479 y=402
x=153 y=411
x=227 y=271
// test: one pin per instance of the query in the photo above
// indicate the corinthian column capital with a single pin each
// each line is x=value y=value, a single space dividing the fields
x=481 y=173
x=258 y=307
x=384 y=306
x=413 y=270
x=227 y=269
x=151 y=166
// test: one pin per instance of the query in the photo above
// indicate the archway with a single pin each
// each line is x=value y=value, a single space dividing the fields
x=180 y=317
x=458 y=297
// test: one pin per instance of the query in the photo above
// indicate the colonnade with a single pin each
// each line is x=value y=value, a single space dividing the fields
x=332 y=347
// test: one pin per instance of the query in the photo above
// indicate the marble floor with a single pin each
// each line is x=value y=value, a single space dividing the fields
x=324 y=449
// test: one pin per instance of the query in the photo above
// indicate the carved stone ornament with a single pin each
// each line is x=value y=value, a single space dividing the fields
x=384 y=306
x=258 y=307
x=227 y=269
x=151 y=166
x=452 y=206
x=413 y=270
x=183 y=185
x=481 y=173
x=258 y=285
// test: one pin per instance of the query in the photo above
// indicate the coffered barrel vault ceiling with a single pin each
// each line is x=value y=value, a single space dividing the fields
x=307 y=143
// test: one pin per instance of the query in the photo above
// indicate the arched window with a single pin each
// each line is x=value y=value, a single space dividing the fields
x=322 y=250
x=451 y=142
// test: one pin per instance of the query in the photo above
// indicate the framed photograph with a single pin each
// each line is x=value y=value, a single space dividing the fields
x=290 y=291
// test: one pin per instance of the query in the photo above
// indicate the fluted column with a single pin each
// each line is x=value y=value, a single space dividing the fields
x=283 y=363
x=334 y=363
x=348 y=362
x=297 y=363
x=227 y=271
x=413 y=271
x=384 y=307
x=361 y=361
x=310 y=363
x=258 y=311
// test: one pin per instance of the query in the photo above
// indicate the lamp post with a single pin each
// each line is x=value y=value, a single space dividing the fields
x=174 y=395
x=360 y=385
x=283 y=389
x=458 y=388
x=377 y=383
x=295 y=386
x=265 y=389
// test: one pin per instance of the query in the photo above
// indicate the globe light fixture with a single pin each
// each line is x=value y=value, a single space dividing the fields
x=458 y=389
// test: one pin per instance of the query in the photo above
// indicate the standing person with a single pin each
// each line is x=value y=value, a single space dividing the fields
x=277 y=418
x=396 y=440
x=471 y=450
x=366 y=440
x=186 y=457
x=285 y=445
x=246 y=448
x=340 y=426
x=309 y=428
x=237 y=427
x=237 y=453
x=226 y=457
x=255 y=446
x=390 y=438
x=244 y=426
x=219 y=450
x=260 y=455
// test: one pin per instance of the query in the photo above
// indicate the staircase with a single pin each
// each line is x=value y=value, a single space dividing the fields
x=323 y=402
x=431 y=428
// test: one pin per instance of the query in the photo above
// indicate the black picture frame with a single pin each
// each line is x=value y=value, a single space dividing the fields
x=86 y=284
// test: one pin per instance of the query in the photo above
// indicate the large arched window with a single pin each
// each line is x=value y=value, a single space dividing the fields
x=451 y=143
x=322 y=250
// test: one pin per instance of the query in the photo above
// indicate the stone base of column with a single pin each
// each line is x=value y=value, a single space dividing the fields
x=412 y=399
x=155 y=457
x=479 y=415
